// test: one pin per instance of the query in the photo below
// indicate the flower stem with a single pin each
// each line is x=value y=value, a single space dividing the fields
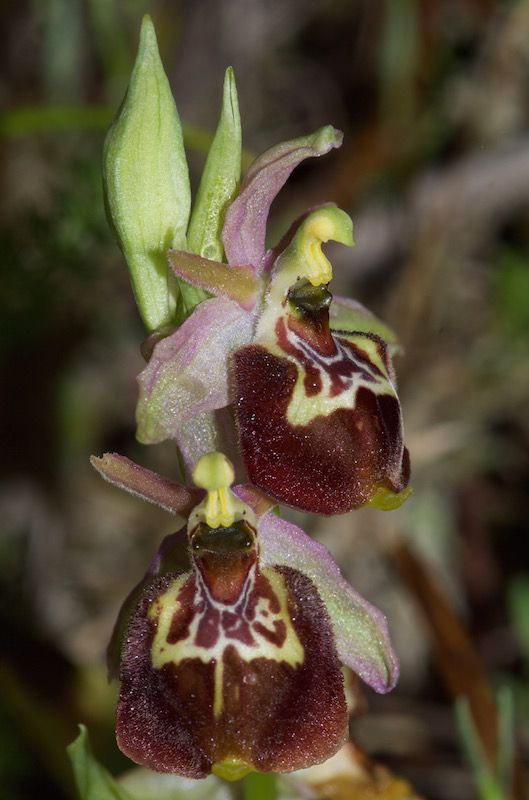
x=259 y=786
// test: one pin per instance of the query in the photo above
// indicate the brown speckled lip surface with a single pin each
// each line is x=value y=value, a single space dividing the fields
x=275 y=716
x=332 y=464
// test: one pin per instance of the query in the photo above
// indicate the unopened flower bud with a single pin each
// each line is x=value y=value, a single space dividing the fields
x=146 y=183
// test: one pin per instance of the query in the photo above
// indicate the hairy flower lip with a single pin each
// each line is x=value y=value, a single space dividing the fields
x=267 y=605
x=273 y=726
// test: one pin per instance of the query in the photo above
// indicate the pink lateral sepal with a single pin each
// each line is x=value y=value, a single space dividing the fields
x=235 y=283
x=146 y=484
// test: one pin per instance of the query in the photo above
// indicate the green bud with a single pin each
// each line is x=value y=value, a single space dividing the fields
x=220 y=179
x=147 y=183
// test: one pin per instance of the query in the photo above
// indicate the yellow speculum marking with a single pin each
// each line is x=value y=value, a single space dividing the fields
x=164 y=608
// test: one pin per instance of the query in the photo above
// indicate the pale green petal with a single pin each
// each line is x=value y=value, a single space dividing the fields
x=220 y=179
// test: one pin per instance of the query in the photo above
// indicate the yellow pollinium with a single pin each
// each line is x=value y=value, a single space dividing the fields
x=214 y=473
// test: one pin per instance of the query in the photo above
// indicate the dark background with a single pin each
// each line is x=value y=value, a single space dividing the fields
x=433 y=98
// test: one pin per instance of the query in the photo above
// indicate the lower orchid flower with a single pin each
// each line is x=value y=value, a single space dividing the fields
x=230 y=650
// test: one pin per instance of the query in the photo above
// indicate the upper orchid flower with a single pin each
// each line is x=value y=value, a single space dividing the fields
x=229 y=651
x=308 y=376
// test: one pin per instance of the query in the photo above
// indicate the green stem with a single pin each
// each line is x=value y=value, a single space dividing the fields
x=259 y=786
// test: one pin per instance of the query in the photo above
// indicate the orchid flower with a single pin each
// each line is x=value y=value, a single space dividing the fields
x=230 y=650
x=308 y=376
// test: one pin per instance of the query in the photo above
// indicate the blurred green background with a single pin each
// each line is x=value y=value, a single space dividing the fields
x=433 y=97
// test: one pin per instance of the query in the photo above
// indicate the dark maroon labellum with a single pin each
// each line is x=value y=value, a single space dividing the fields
x=206 y=682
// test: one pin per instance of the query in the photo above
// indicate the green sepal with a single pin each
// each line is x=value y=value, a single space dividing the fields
x=93 y=781
x=220 y=178
x=349 y=316
x=146 y=183
x=237 y=283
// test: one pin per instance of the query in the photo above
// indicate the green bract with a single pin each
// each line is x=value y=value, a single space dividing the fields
x=93 y=781
x=147 y=183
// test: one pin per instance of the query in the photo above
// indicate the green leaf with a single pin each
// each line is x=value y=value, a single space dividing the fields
x=518 y=605
x=512 y=290
x=93 y=781
x=220 y=179
x=506 y=747
x=260 y=786
x=146 y=183
x=492 y=782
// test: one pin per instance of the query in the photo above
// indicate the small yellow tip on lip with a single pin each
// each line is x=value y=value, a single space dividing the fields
x=232 y=769
x=386 y=500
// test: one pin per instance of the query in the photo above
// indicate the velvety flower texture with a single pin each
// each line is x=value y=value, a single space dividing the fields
x=229 y=651
x=308 y=376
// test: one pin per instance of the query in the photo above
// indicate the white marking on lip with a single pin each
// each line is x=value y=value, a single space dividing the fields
x=168 y=604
